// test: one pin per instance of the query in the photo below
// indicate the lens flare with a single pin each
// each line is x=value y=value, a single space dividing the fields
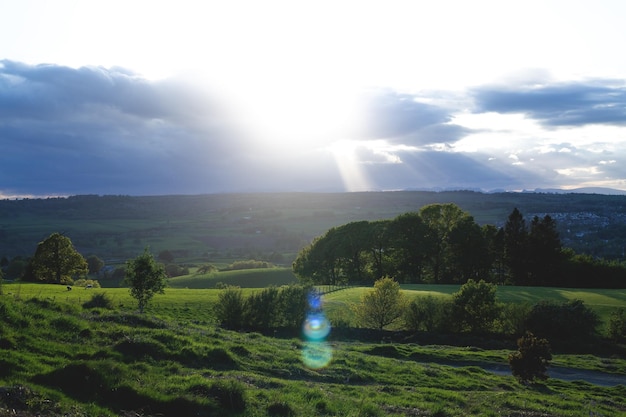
x=316 y=327
x=316 y=353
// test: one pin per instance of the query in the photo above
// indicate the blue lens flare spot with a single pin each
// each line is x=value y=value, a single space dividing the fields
x=317 y=355
x=316 y=327
x=315 y=301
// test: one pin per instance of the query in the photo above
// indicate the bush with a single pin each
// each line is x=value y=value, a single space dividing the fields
x=229 y=309
x=261 y=309
x=568 y=321
x=513 y=318
x=474 y=306
x=424 y=313
x=87 y=283
x=100 y=300
x=531 y=360
x=617 y=324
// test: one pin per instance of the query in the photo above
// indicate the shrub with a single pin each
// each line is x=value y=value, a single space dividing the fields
x=229 y=309
x=474 y=306
x=531 y=360
x=100 y=300
x=424 y=313
x=261 y=309
x=513 y=318
x=617 y=324
x=568 y=321
x=92 y=283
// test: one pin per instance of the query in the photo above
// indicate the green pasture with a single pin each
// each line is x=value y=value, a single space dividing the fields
x=193 y=295
x=174 y=361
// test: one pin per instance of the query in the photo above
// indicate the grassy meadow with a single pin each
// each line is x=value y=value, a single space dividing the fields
x=59 y=358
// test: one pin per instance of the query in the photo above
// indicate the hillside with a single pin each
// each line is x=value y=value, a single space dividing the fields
x=275 y=226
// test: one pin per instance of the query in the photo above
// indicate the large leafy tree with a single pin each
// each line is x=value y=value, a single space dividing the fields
x=408 y=247
x=145 y=277
x=56 y=261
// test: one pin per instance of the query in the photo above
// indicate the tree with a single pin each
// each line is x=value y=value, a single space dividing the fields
x=474 y=306
x=145 y=277
x=515 y=247
x=531 y=360
x=544 y=252
x=381 y=306
x=94 y=264
x=56 y=261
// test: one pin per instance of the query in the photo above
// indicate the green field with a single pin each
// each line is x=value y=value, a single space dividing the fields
x=58 y=358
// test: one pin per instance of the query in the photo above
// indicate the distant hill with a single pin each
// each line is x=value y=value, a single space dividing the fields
x=276 y=226
x=583 y=190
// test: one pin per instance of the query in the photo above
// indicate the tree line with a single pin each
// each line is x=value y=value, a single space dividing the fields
x=443 y=244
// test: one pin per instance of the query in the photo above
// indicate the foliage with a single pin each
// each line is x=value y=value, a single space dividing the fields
x=94 y=264
x=99 y=300
x=145 y=277
x=531 y=360
x=230 y=307
x=249 y=264
x=169 y=363
x=382 y=306
x=56 y=261
x=87 y=283
x=174 y=270
x=425 y=313
x=269 y=308
x=474 y=306
x=617 y=324
x=568 y=321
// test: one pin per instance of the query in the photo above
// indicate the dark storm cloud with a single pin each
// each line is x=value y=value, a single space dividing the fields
x=66 y=130
x=571 y=104
x=402 y=118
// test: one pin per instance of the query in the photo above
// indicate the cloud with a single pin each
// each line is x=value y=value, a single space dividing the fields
x=559 y=104
x=109 y=131
x=71 y=130
x=405 y=119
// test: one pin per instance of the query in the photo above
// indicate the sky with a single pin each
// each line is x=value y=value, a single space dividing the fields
x=191 y=97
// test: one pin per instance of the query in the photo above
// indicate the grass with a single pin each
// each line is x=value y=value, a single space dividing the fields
x=60 y=358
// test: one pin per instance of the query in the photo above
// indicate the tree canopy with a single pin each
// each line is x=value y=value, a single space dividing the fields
x=56 y=261
x=442 y=244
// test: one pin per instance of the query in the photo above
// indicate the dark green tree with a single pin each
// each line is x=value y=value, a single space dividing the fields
x=450 y=240
x=516 y=247
x=544 y=252
x=408 y=247
x=56 y=261
x=145 y=278
x=474 y=306
x=94 y=264
x=531 y=360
